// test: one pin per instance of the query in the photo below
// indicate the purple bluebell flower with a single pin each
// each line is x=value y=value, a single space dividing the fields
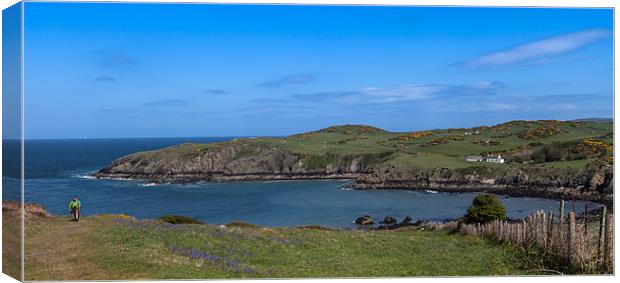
x=197 y=254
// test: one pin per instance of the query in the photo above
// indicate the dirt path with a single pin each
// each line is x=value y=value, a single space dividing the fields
x=57 y=249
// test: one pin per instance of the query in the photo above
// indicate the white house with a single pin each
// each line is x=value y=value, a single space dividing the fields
x=474 y=158
x=494 y=159
x=489 y=158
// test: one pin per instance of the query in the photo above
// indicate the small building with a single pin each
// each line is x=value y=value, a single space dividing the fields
x=474 y=158
x=488 y=158
x=495 y=159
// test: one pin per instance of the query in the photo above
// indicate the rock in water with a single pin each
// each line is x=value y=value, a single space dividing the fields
x=364 y=220
x=388 y=220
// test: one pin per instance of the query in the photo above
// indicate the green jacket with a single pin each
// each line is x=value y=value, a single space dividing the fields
x=74 y=204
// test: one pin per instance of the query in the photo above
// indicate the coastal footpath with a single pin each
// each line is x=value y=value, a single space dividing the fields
x=550 y=159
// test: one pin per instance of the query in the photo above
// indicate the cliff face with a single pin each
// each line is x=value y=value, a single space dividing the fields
x=231 y=162
x=594 y=183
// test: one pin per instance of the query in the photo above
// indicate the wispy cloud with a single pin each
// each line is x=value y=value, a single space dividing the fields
x=537 y=103
x=167 y=103
x=288 y=80
x=216 y=92
x=485 y=98
x=411 y=92
x=111 y=58
x=104 y=79
x=500 y=106
x=539 y=51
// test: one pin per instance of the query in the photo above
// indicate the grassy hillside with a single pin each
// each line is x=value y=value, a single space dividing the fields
x=438 y=148
x=118 y=247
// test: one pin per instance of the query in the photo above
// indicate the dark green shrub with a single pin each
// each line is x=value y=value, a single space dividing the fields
x=552 y=153
x=318 y=162
x=485 y=208
x=517 y=159
x=177 y=219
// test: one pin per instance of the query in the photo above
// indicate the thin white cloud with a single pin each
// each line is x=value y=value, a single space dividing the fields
x=499 y=106
x=405 y=93
x=538 y=51
x=510 y=102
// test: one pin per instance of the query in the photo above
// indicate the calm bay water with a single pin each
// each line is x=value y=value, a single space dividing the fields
x=58 y=169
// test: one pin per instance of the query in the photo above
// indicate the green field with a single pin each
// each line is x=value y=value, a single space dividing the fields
x=418 y=153
x=117 y=247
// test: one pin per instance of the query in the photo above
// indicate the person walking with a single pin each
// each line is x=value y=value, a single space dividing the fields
x=74 y=206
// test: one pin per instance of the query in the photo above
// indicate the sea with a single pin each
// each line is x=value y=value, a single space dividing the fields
x=55 y=170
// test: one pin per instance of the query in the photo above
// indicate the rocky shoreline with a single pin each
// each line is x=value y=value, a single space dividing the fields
x=513 y=191
x=209 y=177
x=361 y=181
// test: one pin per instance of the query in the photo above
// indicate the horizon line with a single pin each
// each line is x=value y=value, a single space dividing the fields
x=283 y=135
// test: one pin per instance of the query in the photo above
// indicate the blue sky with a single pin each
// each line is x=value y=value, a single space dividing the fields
x=11 y=73
x=136 y=70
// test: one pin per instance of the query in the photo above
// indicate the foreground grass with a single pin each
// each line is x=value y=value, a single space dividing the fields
x=11 y=245
x=108 y=247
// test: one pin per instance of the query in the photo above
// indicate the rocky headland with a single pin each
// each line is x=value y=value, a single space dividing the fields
x=378 y=167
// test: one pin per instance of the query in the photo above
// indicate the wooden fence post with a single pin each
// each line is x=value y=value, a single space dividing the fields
x=550 y=232
x=608 y=253
x=543 y=229
x=524 y=231
x=561 y=210
x=534 y=228
x=571 y=238
x=516 y=226
x=537 y=229
x=519 y=233
x=601 y=238
x=585 y=232
x=501 y=230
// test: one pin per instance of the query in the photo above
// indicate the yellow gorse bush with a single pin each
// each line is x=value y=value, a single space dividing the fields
x=594 y=146
x=545 y=129
x=413 y=135
x=121 y=216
